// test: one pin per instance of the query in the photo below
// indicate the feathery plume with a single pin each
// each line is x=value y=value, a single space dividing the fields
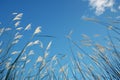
x=46 y=54
x=54 y=58
x=15 y=41
x=30 y=44
x=33 y=43
x=7 y=65
x=41 y=44
x=9 y=59
x=24 y=58
x=28 y=61
x=49 y=45
x=0 y=50
x=18 y=17
x=37 y=30
x=110 y=28
x=80 y=55
x=39 y=59
x=17 y=23
x=8 y=29
x=85 y=36
x=1 y=31
x=62 y=69
x=19 y=28
x=28 y=27
x=18 y=36
x=36 y=42
x=100 y=48
x=90 y=19
x=69 y=35
x=31 y=52
x=15 y=52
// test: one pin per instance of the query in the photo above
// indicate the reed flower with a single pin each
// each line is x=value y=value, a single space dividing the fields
x=8 y=29
x=1 y=31
x=49 y=45
x=31 y=52
x=54 y=58
x=15 y=52
x=37 y=30
x=18 y=36
x=39 y=59
x=17 y=23
x=15 y=41
x=36 y=42
x=80 y=55
x=24 y=58
x=46 y=54
x=28 y=61
x=19 y=28
x=69 y=35
x=63 y=68
x=110 y=27
x=0 y=50
x=100 y=48
x=28 y=27
x=30 y=44
x=8 y=65
x=18 y=17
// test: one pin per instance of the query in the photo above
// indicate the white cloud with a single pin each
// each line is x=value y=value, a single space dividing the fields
x=101 y=5
x=119 y=7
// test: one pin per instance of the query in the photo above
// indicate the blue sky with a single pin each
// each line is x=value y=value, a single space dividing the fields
x=58 y=17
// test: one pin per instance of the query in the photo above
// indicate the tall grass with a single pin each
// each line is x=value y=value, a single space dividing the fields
x=31 y=60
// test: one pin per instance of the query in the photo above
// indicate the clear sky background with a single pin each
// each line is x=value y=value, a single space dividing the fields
x=59 y=17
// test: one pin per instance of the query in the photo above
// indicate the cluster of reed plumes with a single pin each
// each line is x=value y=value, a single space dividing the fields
x=28 y=58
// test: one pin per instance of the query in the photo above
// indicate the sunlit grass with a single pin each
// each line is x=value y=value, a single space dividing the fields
x=32 y=61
